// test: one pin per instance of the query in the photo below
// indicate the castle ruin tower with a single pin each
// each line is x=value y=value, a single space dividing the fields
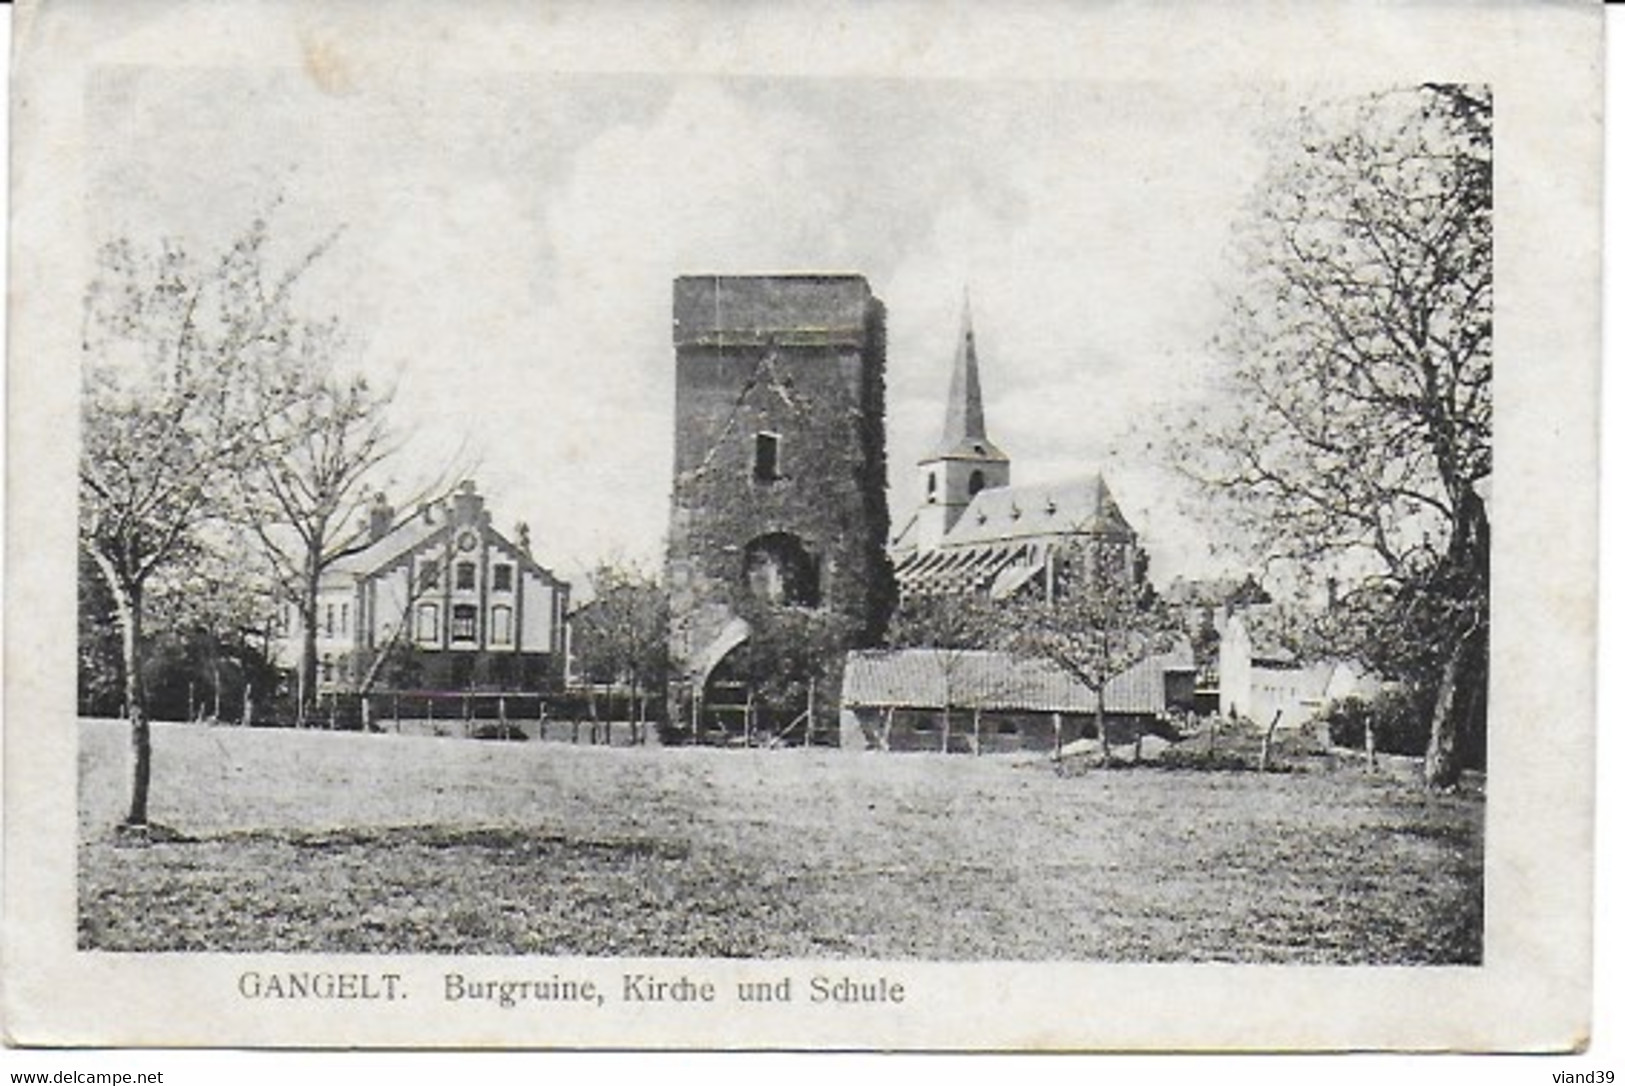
x=965 y=462
x=778 y=511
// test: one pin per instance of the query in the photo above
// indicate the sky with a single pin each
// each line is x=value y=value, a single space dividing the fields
x=508 y=243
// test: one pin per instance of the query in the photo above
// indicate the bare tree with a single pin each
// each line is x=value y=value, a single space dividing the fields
x=1354 y=436
x=306 y=498
x=621 y=633
x=1096 y=623
x=176 y=351
x=956 y=628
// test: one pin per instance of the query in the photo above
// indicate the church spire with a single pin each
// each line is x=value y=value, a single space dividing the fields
x=964 y=431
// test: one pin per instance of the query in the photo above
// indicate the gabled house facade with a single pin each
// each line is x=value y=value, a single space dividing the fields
x=439 y=600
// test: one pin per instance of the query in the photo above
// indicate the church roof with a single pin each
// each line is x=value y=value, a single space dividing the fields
x=964 y=431
x=1083 y=506
x=1004 y=538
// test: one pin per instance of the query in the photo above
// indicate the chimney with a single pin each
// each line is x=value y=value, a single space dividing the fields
x=467 y=503
x=426 y=511
x=380 y=518
x=521 y=533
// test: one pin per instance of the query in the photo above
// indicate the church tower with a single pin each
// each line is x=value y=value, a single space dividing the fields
x=965 y=462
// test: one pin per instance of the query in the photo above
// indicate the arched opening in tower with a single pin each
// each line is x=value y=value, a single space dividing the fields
x=780 y=571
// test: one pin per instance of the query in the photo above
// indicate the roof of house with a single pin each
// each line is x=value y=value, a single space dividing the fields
x=398 y=541
x=925 y=678
x=1216 y=591
x=431 y=522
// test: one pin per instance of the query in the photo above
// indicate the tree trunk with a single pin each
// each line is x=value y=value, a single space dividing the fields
x=1441 y=768
x=976 y=732
x=128 y=602
x=1264 y=745
x=947 y=723
x=307 y=656
x=1100 y=728
x=217 y=689
x=1370 y=744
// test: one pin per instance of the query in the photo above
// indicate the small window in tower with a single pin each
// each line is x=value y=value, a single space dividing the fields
x=428 y=576
x=502 y=578
x=465 y=575
x=464 y=618
x=767 y=457
x=931 y=486
x=977 y=482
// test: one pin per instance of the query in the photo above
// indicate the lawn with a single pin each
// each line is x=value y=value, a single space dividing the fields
x=315 y=841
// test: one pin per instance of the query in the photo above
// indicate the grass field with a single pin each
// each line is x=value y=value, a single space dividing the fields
x=293 y=841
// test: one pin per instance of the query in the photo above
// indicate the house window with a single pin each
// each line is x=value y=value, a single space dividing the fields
x=327 y=625
x=767 y=457
x=502 y=578
x=465 y=575
x=344 y=619
x=428 y=576
x=327 y=667
x=502 y=625
x=428 y=622
x=464 y=620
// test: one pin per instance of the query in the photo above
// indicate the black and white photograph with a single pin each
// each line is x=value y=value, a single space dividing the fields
x=584 y=539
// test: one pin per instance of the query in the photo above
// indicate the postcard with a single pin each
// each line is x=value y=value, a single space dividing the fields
x=814 y=526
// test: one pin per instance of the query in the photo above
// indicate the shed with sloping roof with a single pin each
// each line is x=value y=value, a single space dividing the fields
x=982 y=701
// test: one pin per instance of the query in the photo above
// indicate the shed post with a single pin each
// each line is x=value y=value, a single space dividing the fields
x=812 y=697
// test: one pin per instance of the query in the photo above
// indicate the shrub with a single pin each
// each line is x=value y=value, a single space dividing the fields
x=499 y=730
x=1398 y=721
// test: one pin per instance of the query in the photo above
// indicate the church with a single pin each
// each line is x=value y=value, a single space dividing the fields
x=972 y=531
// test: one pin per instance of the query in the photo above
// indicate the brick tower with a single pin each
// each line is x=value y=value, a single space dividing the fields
x=778 y=517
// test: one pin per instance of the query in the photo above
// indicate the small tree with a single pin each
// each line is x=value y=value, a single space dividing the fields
x=176 y=347
x=791 y=662
x=621 y=633
x=307 y=497
x=955 y=628
x=1100 y=620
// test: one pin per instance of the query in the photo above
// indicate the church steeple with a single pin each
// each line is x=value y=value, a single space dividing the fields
x=964 y=431
x=965 y=462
